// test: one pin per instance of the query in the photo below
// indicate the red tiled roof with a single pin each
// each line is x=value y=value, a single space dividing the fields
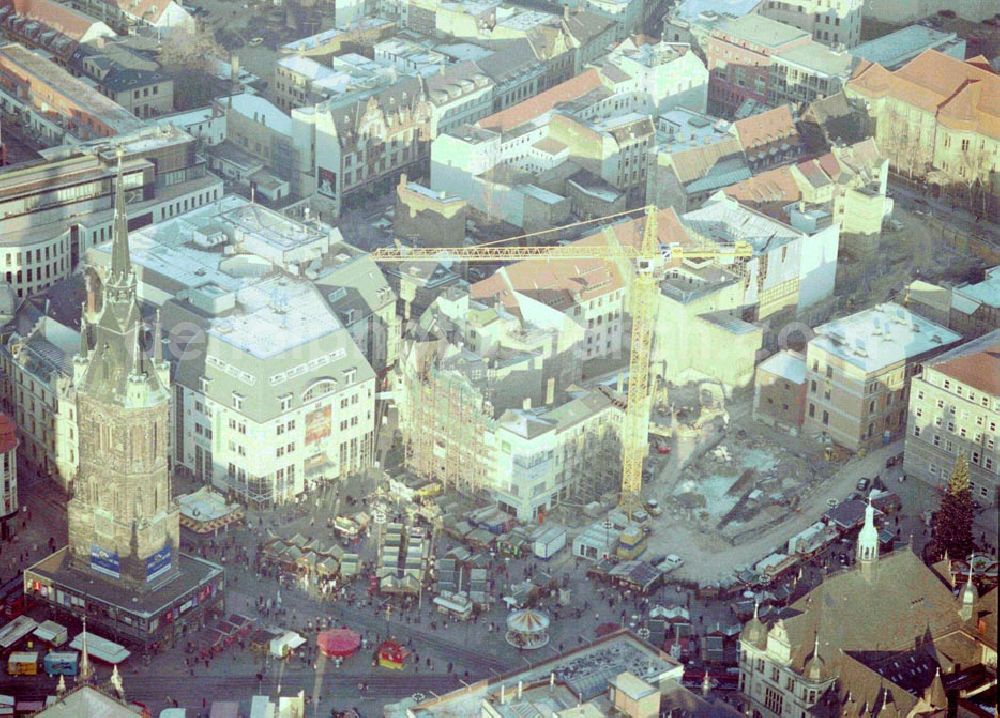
x=8 y=434
x=668 y=229
x=962 y=95
x=761 y=130
x=767 y=192
x=558 y=283
x=538 y=105
x=61 y=18
x=980 y=370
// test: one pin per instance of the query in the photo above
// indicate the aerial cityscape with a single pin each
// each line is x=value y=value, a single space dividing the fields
x=499 y=358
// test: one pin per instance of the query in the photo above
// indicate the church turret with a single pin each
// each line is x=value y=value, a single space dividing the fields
x=815 y=668
x=868 y=537
x=121 y=262
x=969 y=596
x=936 y=696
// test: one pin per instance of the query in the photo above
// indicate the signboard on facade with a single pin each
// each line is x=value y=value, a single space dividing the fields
x=105 y=562
x=327 y=183
x=158 y=564
x=319 y=424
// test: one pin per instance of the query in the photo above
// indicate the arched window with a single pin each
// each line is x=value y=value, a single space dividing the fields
x=320 y=387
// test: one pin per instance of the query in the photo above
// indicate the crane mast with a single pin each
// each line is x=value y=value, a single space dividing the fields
x=648 y=261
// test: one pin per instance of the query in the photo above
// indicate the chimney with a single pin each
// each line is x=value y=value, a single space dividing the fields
x=520 y=688
x=621 y=382
x=526 y=404
x=566 y=13
x=550 y=390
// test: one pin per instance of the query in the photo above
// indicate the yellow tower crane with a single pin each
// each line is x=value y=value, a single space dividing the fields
x=647 y=261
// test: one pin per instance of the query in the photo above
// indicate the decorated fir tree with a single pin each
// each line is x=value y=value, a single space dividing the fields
x=953 y=520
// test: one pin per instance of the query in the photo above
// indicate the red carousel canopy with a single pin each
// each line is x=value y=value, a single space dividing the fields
x=338 y=642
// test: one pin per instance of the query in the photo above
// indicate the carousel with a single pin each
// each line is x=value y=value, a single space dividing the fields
x=528 y=629
x=338 y=643
x=392 y=655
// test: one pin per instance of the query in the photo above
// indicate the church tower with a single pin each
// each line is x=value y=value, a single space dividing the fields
x=123 y=524
x=868 y=537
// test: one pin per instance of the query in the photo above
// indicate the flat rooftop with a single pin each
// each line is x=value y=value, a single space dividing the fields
x=273 y=311
x=62 y=83
x=819 y=59
x=680 y=129
x=761 y=30
x=693 y=10
x=881 y=336
x=193 y=572
x=895 y=49
x=585 y=672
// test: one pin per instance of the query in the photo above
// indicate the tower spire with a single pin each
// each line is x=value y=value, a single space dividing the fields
x=121 y=263
x=157 y=340
x=868 y=537
x=84 y=341
x=86 y=672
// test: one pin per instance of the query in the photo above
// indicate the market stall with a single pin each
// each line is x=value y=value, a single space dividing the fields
x=527 y=629
x=392 y=655
x=338 y=642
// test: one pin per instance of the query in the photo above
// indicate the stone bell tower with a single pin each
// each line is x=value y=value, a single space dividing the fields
x=123 y=524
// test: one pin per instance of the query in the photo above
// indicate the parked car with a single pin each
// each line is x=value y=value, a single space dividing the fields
x=863 y=485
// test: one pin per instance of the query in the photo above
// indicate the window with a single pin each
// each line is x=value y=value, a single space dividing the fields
x=916 y=431
x=286 y=402
x=826 y=417
x=237 y=401
x=829 y=372
x=773 y=700
x=812 y=410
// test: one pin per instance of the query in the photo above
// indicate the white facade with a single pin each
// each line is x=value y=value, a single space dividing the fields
x=666 y=75
x=8 y=467
x=542 y=457
x=272 y=395
x=789 y=269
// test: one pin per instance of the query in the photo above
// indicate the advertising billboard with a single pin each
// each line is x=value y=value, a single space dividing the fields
x=319 y=424
x=104 y=561
x=327 y=182
x=158 y=564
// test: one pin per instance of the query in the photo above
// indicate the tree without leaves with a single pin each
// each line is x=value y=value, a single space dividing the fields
x=953 y=520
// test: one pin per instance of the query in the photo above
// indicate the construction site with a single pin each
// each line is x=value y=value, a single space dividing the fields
x=533 y=392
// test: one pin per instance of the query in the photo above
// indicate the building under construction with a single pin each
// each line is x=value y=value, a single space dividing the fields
x=491 y=406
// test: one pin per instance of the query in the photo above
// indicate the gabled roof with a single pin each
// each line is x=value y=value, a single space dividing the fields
x=61 y=18
x=762 y=131
x=768 y=191
x=962 y=95
x=538 y=105
x=976 y=363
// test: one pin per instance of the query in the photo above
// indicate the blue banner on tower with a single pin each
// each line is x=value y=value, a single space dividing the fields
x=105 y=562
x=158 y=564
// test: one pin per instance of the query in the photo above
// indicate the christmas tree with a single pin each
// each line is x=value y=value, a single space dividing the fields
x=953 y=520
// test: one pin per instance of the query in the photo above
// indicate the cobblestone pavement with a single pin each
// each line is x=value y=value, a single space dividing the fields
x=445 y=652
